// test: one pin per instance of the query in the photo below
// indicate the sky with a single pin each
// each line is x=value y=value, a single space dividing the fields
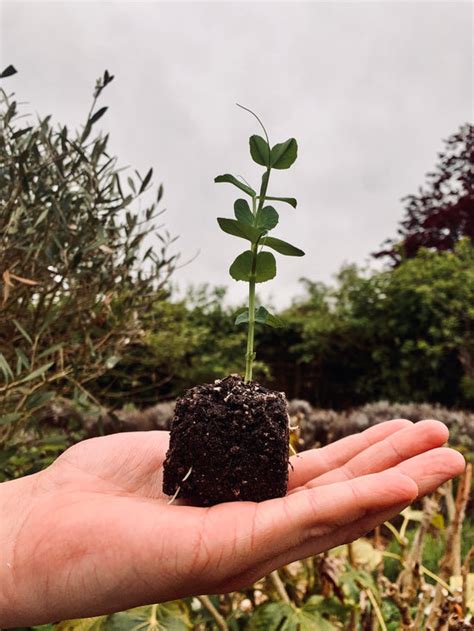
x=369 y=90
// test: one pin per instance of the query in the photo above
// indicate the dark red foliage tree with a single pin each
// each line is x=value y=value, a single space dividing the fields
x=443 y=211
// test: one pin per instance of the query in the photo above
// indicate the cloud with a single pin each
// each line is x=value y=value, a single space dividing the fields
x=368 y=89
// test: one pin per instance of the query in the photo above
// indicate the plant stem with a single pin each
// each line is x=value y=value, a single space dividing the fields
x=280 y=587
x=376 y=608
x=220 y=621
x=250 y=354
x=263 y=189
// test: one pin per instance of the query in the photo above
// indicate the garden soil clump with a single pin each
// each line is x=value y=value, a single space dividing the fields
x=234 y=437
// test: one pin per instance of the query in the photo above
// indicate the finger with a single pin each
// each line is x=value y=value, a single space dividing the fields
x=313 y=547
x=389 y=452
x=429 y=470
x=248 y=535
x=433 y=468
x=315 y=462
x=319 y=510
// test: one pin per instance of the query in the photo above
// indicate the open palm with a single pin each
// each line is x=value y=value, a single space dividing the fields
x=96 y=534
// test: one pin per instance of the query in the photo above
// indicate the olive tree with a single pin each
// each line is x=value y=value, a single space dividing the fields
x=81 y=258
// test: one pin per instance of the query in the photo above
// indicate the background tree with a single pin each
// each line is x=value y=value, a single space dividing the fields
x=403 y=334
x=442 y=212
x=79 y=263
x=184 y=343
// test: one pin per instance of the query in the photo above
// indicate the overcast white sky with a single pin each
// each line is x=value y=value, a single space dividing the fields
x=369 y=89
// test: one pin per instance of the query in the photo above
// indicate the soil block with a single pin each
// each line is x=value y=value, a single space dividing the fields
x=235 y=437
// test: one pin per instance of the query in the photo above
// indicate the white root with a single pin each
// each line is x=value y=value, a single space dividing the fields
x=291 y=427
x=187 y=474
x=179 y=487
x=175 y=495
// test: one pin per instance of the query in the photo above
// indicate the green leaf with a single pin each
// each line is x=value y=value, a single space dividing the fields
x=327 y=605
x=146 y=181
x=82 y=624
x=273 y=617
x=265 y=268
x=362 y=578
x=310 y=619
x=39 y=398
x=37 y=373
x=241 y=268
x=5 y=419
x=239 y=229
x=22 y=363
x=8 y=72
x=242 y=211
x=131 y=183
x=172 y=616
x=20 y=132
x=263 y=316
x=284 y=154
x=230 y=179
x=267 y=218
x=23 y=332
x=5 y=455
x=282 y=246
x=279 y=616
x=160 y=193
x=242 y=316
x=52 y=349
x=259 y=150
x=95 y=117
x=5 y=367
x=108 y=77
x=287 y=200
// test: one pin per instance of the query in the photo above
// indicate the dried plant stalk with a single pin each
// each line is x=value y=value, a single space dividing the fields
x=450 y=564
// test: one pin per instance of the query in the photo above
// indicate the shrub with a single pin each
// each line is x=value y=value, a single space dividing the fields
x=78 y=260
x=403 y=335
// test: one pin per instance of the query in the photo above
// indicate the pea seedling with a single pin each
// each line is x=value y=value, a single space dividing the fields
x=254 y=223
x=229 y=439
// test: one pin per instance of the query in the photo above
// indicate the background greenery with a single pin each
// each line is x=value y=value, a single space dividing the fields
x=89 y=323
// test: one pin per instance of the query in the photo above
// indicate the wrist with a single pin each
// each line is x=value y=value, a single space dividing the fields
x=16 y=497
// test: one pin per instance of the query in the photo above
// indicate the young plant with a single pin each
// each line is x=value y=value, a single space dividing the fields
x=238 y=451
x=253 y=222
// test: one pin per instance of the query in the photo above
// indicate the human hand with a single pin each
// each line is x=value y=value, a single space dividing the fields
x=93 y=533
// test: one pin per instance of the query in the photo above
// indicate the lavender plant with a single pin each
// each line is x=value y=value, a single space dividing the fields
x=253 y=222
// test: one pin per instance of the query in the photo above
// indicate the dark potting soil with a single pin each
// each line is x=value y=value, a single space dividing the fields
x=235 y=437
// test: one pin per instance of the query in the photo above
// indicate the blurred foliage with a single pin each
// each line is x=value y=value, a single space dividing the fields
x=404 y=335
x=442 y=212
x=401 y=335
x=77 y=268
x=186 y=342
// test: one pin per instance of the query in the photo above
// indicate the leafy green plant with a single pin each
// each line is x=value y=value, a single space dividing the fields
x=172 y=616
x=253 y=223
x=402 y=335
x=79 y=263
x=280 y=616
